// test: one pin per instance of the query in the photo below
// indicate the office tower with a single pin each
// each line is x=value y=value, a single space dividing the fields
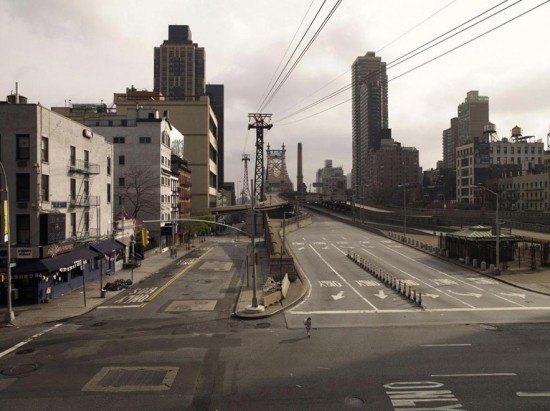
x=473 y=116
x=450 y=143
x=216 y=94
x=369 y=111
x=179 y=66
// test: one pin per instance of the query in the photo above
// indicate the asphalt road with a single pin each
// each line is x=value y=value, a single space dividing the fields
x=344 y=294
x=170 y=343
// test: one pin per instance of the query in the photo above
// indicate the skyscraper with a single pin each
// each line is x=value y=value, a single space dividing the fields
x=473 y=116
x=216 y=94
x=179 y=66
x=369 y=87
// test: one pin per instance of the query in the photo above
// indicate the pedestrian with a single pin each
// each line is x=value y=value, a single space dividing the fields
x=307 y=323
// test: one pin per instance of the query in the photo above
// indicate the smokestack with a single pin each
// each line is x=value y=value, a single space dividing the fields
x=16 y=92
x=300 y=176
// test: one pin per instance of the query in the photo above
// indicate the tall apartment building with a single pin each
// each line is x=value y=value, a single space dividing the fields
x=60 y=180
x=473 y=116
x=142 y=164
x=331 y=182
x=216 y=94
x=450 y=143
x=179 y=67
x=369 y=105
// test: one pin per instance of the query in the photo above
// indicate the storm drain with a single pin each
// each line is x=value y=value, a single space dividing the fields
x=126 y=379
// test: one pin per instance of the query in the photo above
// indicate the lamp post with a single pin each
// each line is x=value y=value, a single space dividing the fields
x=497 y=234
x=10 y=316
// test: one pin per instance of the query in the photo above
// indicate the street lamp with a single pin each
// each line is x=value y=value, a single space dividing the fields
x=497 y=235
x=10 y=316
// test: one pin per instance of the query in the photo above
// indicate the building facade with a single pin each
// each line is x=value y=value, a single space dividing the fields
x=473 y=116
x=331 y=182
x=60 y=179
x=369 y=105
x=450 y=143
x=216 y=94
x=179 y=66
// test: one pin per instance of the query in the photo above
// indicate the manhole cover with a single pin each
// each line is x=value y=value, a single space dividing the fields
x=24 y=351
x=354 y=401
x=19 y=370
x=127 y=379
x=263 y=325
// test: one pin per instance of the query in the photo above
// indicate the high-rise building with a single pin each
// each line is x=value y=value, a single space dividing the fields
x=369 y=111
x=216 y=94
x=450 y=143
x=179 y=66
x=473 y=116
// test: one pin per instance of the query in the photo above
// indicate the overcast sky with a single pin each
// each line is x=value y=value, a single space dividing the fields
x=87 y=50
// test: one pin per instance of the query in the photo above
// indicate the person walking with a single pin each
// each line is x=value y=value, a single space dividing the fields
x=307 y=323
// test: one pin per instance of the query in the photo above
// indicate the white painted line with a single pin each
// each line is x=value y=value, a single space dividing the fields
x=494 y=374
x=446 y=345
x=533 y=394
x=119 y=306
x=416 y=310
x=28 y=340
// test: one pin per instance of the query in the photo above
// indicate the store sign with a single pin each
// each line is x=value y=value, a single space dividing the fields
x=24 y=252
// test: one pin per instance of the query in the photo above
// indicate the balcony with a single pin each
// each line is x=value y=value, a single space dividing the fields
x=83 y=167
x=83 y=200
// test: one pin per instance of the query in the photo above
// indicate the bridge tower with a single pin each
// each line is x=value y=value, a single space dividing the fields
x=259 y=121
x=277 y=178
x=246 y=192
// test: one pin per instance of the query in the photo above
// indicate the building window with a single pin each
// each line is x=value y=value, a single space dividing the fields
x=120 y=200
x=23 y=147
x=23 y=187
x=108 y=193
x=119 y=140
x=23 y=228
x=87 y=223
x=73 y=189
x=121 y=160
x=73 y=224
x=45 y=187
x=44 y=149
x=145 y=140
x=73 y=155
x=86 y=159
x=121 y=182
x=108 y=166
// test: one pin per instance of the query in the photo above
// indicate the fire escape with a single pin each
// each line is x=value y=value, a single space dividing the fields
x=82 y=207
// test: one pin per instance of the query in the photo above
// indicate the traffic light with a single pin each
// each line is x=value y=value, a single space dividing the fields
x=144 y=237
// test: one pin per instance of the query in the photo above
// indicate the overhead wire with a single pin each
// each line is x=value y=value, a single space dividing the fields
x=401 y=59
x=431 y=60
x=323 y=24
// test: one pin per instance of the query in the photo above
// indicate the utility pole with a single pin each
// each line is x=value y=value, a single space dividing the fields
x=246 y=191
x=259 y=121
x=10 y=315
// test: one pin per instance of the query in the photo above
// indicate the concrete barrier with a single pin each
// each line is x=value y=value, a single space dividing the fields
x=272 y=298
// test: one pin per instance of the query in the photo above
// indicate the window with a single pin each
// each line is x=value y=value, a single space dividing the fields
x=23 y=187
x=121 y=160
x=121 y=182
x=44 y=149
x=22 y=151
x=23 y=228
x=120 y=200
x=86 y=222
x=108 y=193
x=73 y=224
x=45 y=187
x=73 y=189
x=73 y=155
x=145 y=140
x=86 y=159
x=119 y=140
x=108 y=166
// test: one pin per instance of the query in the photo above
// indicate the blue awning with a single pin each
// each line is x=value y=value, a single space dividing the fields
x=106 y=246
x=61 y=262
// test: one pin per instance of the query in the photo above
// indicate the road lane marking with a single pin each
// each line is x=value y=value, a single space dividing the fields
x=533 y=394
x=483 y=374
x=343 y=279
x=28 y=340
x=465 y=294
x=446 y=345
x=419 y=310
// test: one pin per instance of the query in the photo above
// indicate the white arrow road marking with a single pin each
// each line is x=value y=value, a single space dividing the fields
x=434 y=296
x=338 y=296
x=300 y=248
x=465 y=294
x=514 y=295
x=381 y=294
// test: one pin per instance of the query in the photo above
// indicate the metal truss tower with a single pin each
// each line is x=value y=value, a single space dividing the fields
x=277 y=178
x=259 y=121
x=246 y=192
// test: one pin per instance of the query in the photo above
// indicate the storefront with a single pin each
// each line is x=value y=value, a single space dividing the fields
x=37 y=281
x=112 y=253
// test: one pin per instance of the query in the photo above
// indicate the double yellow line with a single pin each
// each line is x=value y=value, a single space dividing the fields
x=178 y=275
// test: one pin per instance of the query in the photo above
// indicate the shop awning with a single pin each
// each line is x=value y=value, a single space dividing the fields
x=106 y=246
x=61 y=262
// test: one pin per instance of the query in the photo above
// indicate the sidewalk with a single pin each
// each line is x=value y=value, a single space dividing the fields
x=73 y=304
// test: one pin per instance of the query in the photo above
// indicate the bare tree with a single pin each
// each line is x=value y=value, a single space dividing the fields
x=140 y=190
